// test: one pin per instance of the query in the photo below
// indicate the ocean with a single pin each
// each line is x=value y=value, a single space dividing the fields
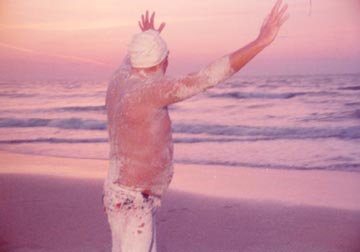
x=266 y=122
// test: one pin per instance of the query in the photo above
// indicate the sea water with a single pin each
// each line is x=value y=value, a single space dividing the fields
x=266 y=122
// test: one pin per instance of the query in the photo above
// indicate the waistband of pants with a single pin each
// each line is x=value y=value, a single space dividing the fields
x=117 y=197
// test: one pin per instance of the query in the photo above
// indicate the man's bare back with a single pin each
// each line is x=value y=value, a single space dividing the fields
x=141 y=136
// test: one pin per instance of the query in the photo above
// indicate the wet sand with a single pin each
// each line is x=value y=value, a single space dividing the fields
x=206 y=208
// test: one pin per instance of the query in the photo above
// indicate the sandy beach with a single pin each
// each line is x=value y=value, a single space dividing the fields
x=54 y=204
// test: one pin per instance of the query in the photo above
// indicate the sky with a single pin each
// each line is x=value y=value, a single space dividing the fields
x=86 y=39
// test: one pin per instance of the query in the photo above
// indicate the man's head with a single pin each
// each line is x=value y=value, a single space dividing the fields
x=148 y=50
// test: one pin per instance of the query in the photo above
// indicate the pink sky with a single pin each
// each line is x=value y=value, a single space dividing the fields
x=87 y=39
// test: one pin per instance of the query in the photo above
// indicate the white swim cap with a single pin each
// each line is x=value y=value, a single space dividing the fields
x=147 y=49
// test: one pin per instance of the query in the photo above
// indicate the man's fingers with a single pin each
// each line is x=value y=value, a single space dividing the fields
x=283 y=20
x=280 y=17
x=282 y=11
x=161 y=27
x=152 y=18
x=147 y=17
x=147 y=23
x=141 y=27
x=274 y=11
x=142 y=18
x=276 y=7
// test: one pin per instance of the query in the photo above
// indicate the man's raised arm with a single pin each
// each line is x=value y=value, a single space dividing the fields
x=268 y=32
x=172 y=91
x=226 y=66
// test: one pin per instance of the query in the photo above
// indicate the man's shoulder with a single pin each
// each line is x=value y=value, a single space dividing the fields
x=119 y=74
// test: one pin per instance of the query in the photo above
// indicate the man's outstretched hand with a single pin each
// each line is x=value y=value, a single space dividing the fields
x=148 y=24
x=272 y=23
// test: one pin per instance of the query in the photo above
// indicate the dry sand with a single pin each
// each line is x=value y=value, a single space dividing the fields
x=54 y=204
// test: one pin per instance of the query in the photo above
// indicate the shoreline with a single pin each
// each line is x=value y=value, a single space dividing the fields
x=333 y=189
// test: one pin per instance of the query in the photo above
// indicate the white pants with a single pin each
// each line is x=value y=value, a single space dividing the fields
x=131 y=216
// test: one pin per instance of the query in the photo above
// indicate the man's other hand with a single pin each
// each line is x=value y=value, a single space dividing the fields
x=148 y=24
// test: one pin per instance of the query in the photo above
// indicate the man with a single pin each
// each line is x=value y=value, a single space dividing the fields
x=141 y=147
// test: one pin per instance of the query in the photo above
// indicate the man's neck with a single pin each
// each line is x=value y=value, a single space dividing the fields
x=153 y=72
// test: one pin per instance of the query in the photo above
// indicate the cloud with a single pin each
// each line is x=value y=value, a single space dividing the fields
x=69 y=26
x=17 y=48
x=60 y=56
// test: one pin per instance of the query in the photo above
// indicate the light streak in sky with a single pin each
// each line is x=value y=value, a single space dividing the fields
x=61 y=56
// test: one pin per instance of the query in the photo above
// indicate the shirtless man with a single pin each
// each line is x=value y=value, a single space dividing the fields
x=141 y=147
